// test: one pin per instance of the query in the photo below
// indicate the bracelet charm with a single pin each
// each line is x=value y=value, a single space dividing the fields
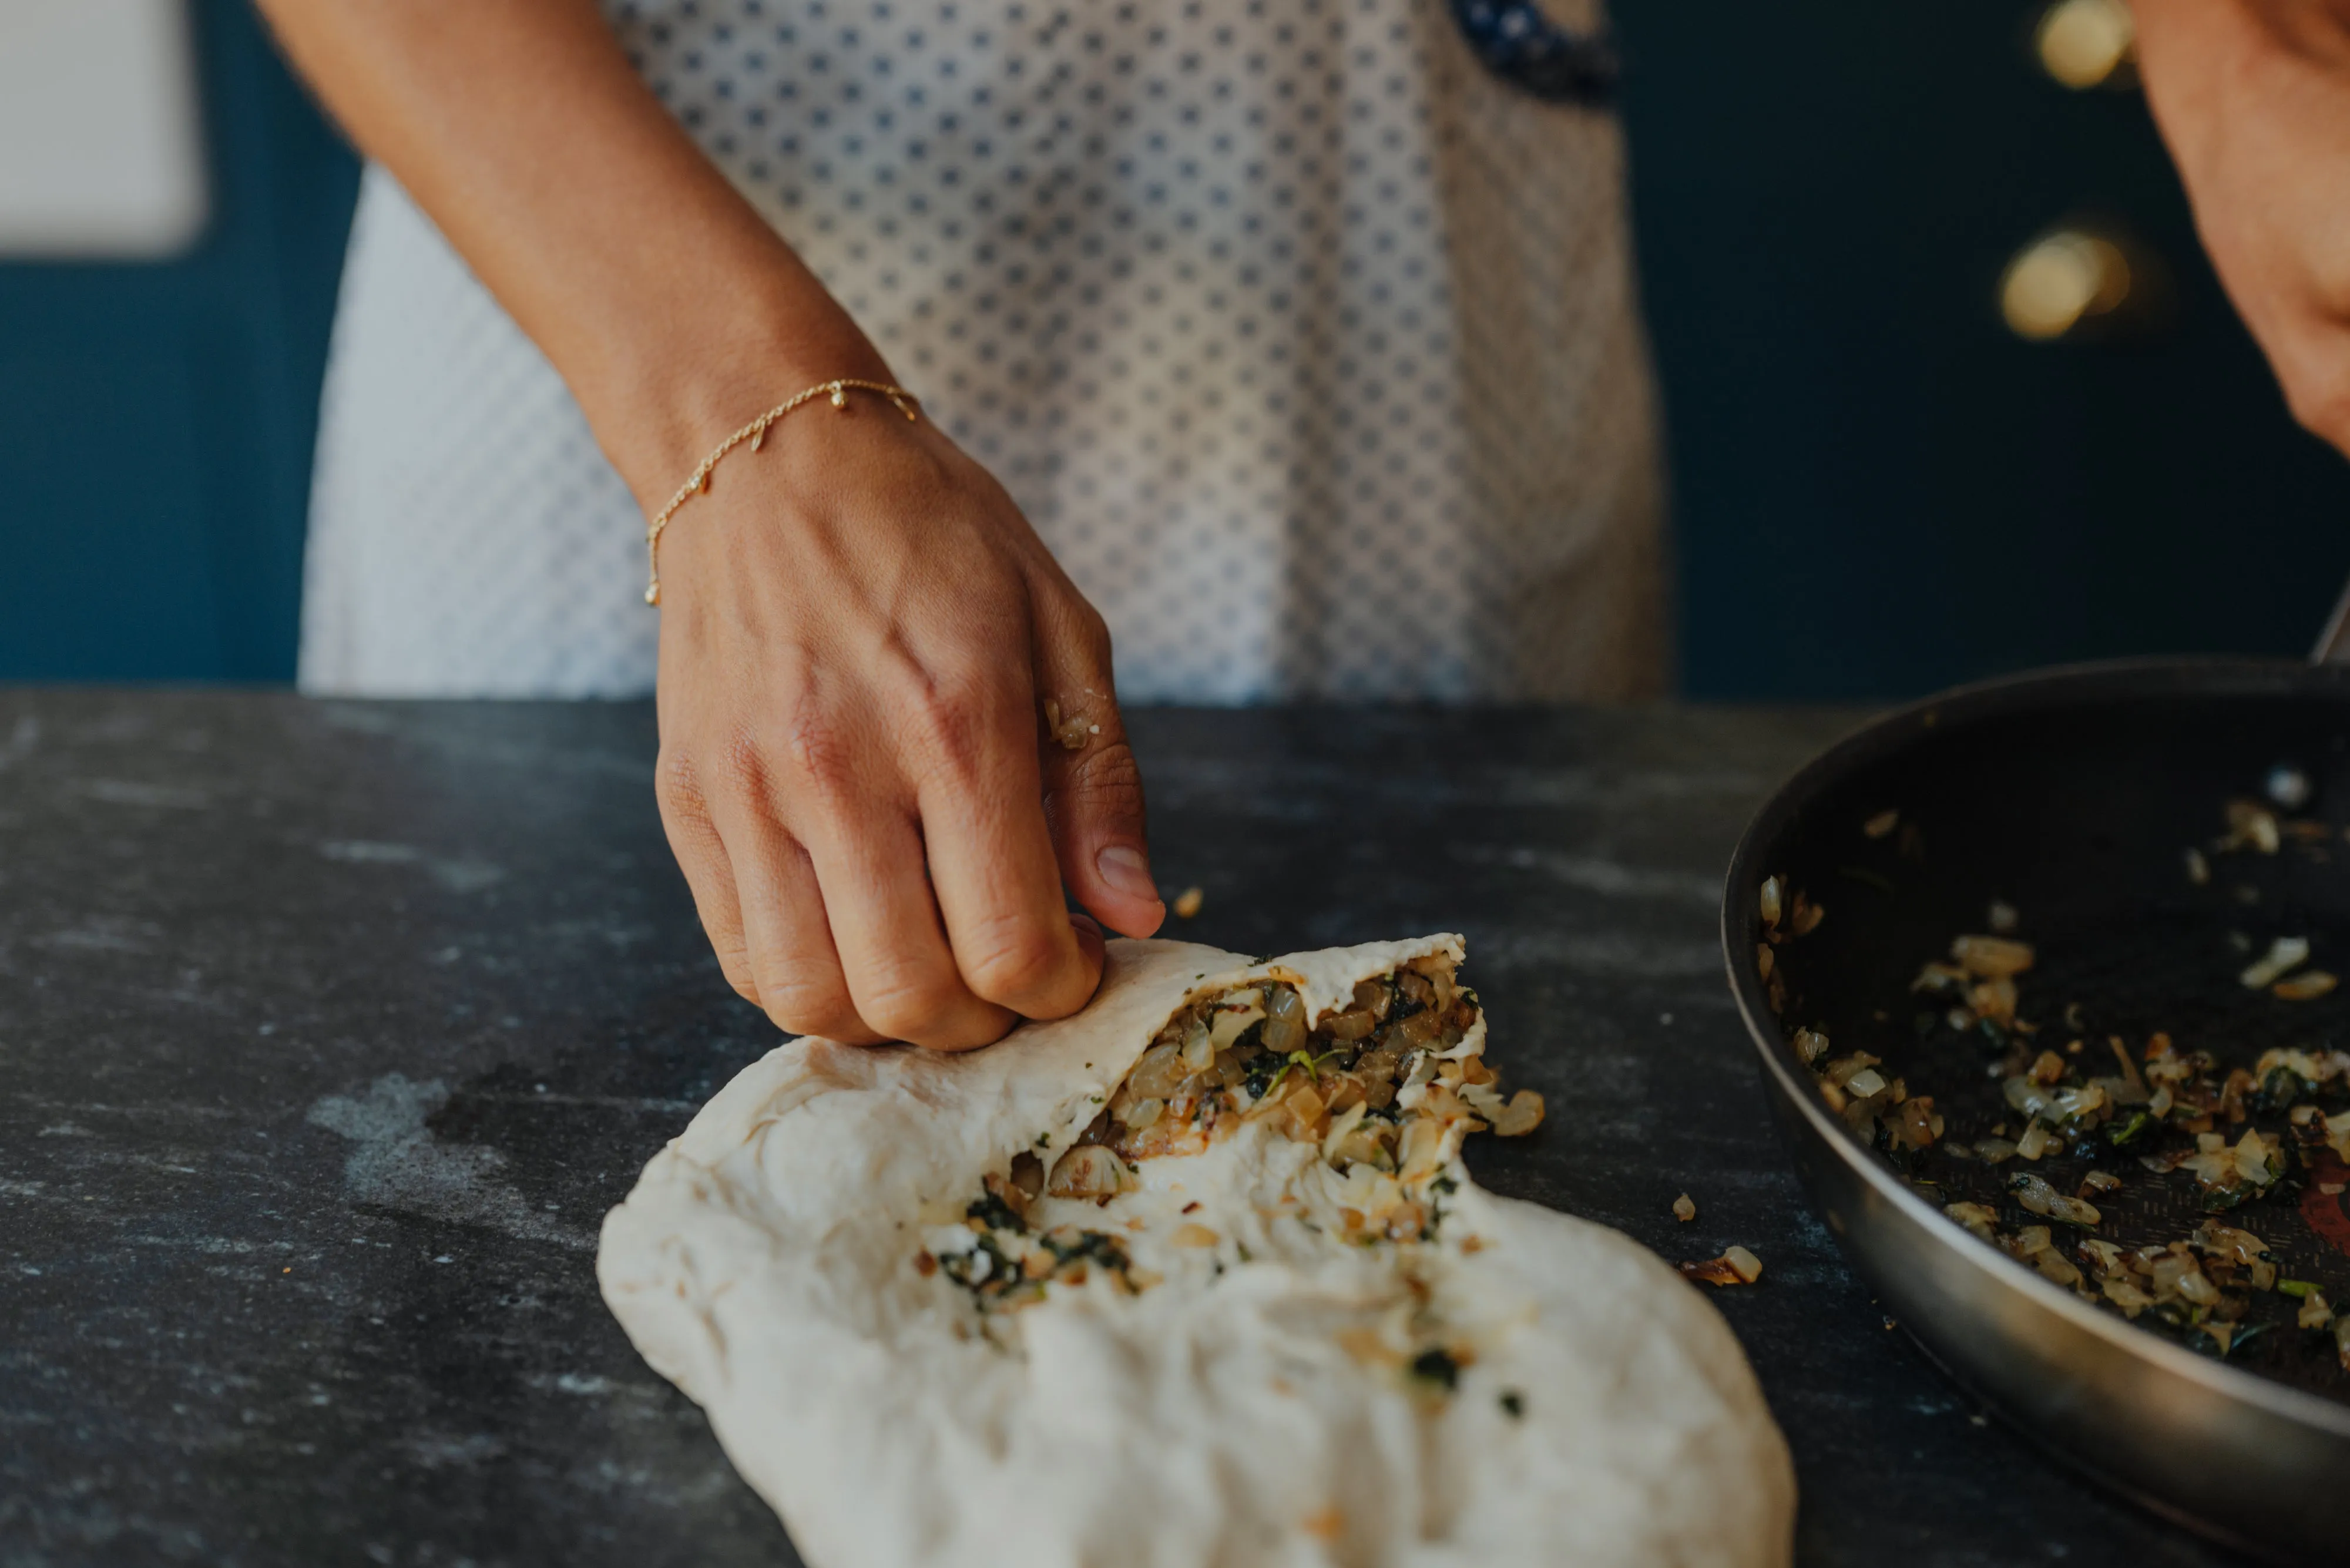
x=755 y=432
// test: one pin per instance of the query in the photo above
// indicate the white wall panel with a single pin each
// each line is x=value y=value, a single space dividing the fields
x=100 y=144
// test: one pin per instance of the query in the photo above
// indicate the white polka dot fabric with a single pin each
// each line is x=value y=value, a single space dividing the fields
x=1309 y=348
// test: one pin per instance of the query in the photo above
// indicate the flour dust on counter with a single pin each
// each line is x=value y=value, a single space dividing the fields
x=1197 y=1276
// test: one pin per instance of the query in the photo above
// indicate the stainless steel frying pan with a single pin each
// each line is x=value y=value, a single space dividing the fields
x=2070 y=795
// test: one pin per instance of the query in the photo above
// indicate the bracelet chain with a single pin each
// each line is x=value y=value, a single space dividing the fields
x=755 y=432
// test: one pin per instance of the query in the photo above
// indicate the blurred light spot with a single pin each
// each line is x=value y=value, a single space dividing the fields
x=2060 y=280
x=2086 y=43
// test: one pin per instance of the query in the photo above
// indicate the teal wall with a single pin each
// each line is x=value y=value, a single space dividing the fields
x=156 y=419
x=1879 y=490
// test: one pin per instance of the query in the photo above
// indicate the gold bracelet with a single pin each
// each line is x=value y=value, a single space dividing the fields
x=755 y=432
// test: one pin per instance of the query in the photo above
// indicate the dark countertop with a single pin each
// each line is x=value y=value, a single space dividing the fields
x=330 y=1030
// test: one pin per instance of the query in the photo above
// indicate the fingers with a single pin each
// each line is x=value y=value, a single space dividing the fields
x=794 y=966
x=760 y=906
x=991 y=853
x=812 y=881
x=1093 y=787
x=701 y=854
x=879 y=845
x=900 y=972
x=1089 y=938
x=839 y=787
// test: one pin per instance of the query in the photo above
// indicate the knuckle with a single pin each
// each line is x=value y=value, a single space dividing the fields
x=949 y=726
x=1093 y=638
x=1101 y=786
x=804 y=1004
x=821 y=751
x=800 y=994
x=1015 y=962
x=734 y=962
x=1108 y=780
x=829 y=1023
x=744 y=769
x=909 y=1006
x=971 y=1040
x=677 y=785
x=1079 y=640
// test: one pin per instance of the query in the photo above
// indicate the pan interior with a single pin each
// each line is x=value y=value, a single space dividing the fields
x=2078 y=816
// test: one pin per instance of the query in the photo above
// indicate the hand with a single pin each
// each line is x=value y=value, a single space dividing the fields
x=2253 y=98
x=859 y=632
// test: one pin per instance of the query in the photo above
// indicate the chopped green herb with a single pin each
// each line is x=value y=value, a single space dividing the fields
x=994 y=1213
x=1090 y=1245
x=985 y=1266
x=2219 y=1199
x=1514 y=1403
x=1300 y=1060
x=1265 y=1072
x=2227 y=1344
x=1436 y=1366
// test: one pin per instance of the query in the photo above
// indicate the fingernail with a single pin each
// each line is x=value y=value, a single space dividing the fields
x=1127 y=870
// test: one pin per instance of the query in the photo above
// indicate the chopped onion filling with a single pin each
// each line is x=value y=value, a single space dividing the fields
x=2082 y=1114
x=1383 y=1089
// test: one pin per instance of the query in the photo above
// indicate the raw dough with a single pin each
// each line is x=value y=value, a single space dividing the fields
x=1254 y=1403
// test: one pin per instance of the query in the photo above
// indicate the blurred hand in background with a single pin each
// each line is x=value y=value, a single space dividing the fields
x=2253 y=98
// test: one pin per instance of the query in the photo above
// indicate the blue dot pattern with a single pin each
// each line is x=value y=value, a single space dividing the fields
x=1517 y=42
x=1307 y=343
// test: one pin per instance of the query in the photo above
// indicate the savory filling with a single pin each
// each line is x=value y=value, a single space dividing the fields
x=1365 y=1081
x=2087 y=1119
x=1008 y=1265
x=1383 y=1090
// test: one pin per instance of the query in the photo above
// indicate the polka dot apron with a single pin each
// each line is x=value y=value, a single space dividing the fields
x=1302 y=331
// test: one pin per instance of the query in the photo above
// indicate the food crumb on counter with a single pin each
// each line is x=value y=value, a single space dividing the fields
x=1736 y=1266
x=1187 y=902
x=1684 y=1208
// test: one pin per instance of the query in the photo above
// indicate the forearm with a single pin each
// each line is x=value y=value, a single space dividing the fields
x=671 y=309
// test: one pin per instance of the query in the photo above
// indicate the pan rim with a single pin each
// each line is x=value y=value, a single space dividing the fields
x=1883 y=735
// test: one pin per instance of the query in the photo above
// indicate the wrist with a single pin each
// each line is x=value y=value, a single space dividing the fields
x=711 y=368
